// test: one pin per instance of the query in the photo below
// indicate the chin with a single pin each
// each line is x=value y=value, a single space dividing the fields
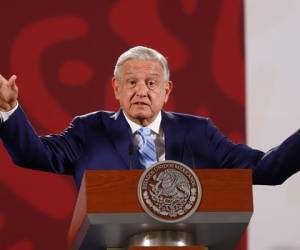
x=141 y=115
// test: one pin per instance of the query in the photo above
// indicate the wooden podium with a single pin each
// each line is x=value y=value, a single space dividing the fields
x=107 y=213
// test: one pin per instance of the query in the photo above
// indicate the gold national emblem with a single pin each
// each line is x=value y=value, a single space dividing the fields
x=169 y=191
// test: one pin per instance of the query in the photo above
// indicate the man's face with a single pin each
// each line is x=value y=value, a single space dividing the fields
x=141 y=90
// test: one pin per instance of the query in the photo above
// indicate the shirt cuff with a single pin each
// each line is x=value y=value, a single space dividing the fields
x=5 y=115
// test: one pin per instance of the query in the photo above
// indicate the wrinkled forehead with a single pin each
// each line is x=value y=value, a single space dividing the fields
x=149 y=68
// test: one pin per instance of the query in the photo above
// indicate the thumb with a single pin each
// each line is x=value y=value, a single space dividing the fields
x=12 y=80
x=12 y=83
x=2 y=80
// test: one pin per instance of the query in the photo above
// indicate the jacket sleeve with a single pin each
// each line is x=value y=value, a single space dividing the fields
x=53 y=153
x=270 y=168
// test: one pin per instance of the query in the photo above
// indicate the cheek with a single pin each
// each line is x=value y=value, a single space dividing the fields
x=157 y=100
x=126 y=97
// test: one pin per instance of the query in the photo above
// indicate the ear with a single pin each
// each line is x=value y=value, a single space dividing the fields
x=168 y=89
x=115 y=86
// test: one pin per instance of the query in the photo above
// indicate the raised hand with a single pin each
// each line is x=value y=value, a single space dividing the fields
x=8 y=93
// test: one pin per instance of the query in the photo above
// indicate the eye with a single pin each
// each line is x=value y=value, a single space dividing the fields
x=131 y=82
x=151 y=84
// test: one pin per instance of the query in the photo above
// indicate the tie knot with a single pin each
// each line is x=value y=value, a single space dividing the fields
x=144 y=131
x=143 y=135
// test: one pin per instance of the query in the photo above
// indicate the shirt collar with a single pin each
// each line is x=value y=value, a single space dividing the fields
x=154 y=126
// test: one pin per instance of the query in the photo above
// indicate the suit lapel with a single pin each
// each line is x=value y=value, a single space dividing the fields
x=120 y=134
x=174 y=136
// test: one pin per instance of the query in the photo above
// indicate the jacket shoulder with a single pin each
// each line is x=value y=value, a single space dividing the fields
x=95 y=115
x=93 y=118
x=187 y=118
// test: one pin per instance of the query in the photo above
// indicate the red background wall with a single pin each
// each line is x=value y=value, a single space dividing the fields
x=64 y=53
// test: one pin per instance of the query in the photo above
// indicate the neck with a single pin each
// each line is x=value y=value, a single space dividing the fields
x=142 y=121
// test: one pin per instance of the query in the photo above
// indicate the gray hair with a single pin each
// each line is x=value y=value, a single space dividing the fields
x=142 y=53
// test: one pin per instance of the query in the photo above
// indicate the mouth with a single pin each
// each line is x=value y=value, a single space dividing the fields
x=140 y=104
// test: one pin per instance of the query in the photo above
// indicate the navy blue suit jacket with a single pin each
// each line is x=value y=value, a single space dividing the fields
x=101 y=140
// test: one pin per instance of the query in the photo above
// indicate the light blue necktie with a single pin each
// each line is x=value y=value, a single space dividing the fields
x=146 y=147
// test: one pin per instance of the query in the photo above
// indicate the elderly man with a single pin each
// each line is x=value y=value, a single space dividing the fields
x=139 y=134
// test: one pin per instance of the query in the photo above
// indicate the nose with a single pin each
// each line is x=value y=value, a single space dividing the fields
x=141 y=89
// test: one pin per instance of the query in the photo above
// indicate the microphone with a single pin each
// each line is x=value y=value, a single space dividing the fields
x=130 y=153
x=191 y=155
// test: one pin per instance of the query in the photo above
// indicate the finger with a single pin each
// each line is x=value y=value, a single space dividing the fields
x=14 y=87
x=12 y=80
x=2 y=80
x=13 y=84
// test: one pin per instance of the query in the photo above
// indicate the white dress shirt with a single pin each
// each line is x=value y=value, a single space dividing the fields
x=156 y=133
